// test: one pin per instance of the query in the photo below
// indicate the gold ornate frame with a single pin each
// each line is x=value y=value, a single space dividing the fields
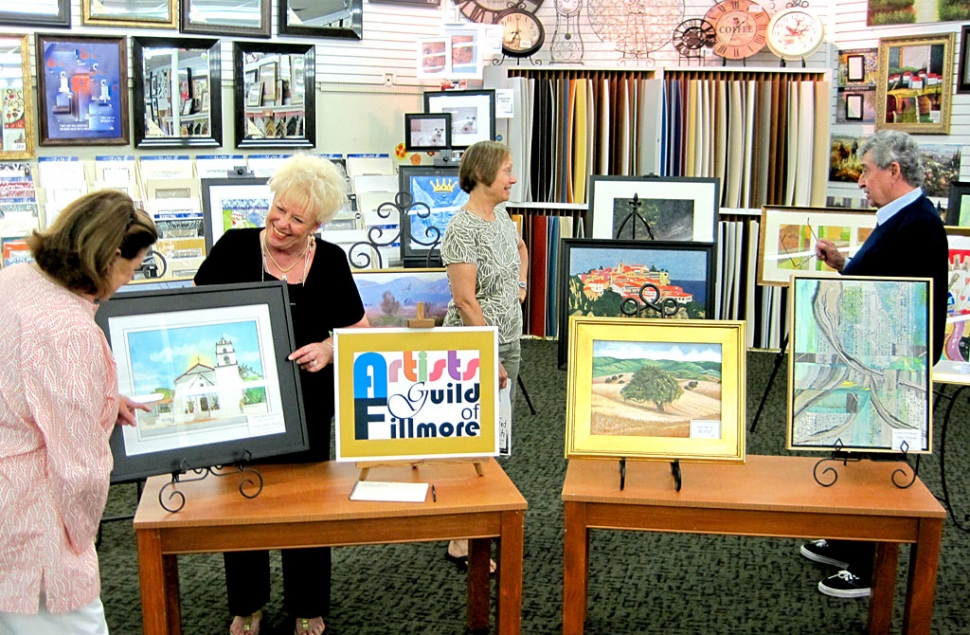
x=941 y=90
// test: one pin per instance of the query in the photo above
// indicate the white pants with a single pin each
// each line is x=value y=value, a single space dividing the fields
x=87 y=620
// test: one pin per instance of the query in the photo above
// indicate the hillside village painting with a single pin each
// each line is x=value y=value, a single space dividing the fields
x=199 y=378
x=654 y=389
x=391 y=297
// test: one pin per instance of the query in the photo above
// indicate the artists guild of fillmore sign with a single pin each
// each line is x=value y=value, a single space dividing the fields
x=416 y=393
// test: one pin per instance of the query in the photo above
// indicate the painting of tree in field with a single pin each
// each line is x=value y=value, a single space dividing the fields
x=654 y=389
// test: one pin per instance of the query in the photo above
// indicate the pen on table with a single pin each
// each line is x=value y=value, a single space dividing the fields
x=434 y=494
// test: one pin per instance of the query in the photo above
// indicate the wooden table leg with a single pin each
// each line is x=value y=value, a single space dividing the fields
x=479 y=552
x=159 y=580
x=511 y=548
x=883 y=588
x=575 y=568
x=924 y=560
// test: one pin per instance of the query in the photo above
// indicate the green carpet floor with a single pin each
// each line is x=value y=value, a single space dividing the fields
x=642 y=583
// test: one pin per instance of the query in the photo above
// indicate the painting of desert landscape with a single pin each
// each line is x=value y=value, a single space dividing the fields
x=651 y=389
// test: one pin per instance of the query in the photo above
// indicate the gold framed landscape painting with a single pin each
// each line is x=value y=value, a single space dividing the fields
x=655 y=389
x=915 y=87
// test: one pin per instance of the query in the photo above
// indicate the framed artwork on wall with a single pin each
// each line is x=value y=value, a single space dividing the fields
x=391 y=296
x=239 y=18
x=963 y=81
x=427 y=132
x=954 y=365
x=789 y=234
x=82 y=102
x=958 y=204
x=233 y=203
x=16 y=100
x=596 y=278
x=322 y=18
x=211 y=364
x=158 y=14
x=435 y=197
x=858 y=371
x=459 y=417
x=472 y=114
x=915 y=83
x=188 y=117
x=281 y=77
x=655 y=389
x=673 y=208
x=55 y=13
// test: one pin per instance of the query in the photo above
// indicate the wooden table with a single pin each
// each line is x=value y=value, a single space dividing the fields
x=307 y=505
x=767 y=496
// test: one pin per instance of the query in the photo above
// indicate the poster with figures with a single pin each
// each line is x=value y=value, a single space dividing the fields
x=83 y=88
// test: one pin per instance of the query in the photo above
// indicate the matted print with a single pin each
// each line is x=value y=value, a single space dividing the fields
x=655 y=389
x=598 y=276
x=234 y=203
x=858 y=370
x=416 y=393
x=789 y=234
x=211 y=364
x=666 y=209
x=954 y=366
x=391 y=296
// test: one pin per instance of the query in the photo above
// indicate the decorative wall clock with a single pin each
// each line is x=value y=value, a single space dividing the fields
x=567 y=41
x=795 y=33
x=692 y=36
x=488 y=11
x=522 y=33
x=740 y=28
x=637 y=28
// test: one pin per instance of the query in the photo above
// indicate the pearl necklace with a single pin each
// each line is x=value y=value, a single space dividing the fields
x=305 y=256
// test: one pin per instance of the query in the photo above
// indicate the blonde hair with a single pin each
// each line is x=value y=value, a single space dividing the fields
x=311 y=183
x=79 y=247
x=480 y=163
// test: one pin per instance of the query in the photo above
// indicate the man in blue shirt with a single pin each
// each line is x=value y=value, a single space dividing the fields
x=908 y=242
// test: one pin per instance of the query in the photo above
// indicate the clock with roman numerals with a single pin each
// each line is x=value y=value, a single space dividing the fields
x=488 y=11
x=740 y=28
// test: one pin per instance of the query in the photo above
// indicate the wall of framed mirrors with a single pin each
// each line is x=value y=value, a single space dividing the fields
x=275 y=99
x=16 y=99
x=246 y=18
x=178 y=89
x=322 y=18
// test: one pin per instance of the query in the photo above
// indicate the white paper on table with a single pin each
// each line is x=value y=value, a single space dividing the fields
x=389 y=492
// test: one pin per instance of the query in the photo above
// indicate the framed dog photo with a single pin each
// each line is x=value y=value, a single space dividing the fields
x=211 y=364
x=858 y=370
x=655 y=389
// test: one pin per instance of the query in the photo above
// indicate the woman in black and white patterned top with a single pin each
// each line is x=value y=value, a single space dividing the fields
x=487 y=263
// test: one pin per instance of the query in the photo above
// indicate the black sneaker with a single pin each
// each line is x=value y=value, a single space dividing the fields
x=845 y=584
x=826 y=553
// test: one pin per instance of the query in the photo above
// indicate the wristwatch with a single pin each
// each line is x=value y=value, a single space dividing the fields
x=522 y=285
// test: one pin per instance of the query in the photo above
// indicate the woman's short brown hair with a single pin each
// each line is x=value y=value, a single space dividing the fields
x=480 y=163
x=79 y=247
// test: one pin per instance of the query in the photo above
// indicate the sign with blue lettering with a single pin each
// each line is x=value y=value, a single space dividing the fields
x=416 y=393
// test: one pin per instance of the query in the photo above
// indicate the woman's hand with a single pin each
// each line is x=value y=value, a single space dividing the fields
x=313 y=357
x=503 y=376
x=126 y=411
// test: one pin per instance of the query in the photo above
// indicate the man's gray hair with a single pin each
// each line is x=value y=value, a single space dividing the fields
x=887 y=146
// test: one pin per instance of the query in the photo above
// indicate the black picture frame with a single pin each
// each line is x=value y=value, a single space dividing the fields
x=959 y=191
x=415 y=125
x=594 y=254
x=61 y=17
x=436 y=196
x=468 y=108
x=855 y=66
x=209 y=24
x=856 y=99
x=140 y=452
x=322 y=18
x=299 y=116
x=212 y=190
x=963 y=81
x=144 y=99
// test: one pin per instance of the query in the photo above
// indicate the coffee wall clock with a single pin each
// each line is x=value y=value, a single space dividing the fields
x=740 y=28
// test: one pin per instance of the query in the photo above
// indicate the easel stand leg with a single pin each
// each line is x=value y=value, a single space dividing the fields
x=525 y=393
x=771 y=380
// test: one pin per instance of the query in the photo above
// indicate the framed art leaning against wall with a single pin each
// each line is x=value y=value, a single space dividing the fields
x=655 y=389
x=211 y=364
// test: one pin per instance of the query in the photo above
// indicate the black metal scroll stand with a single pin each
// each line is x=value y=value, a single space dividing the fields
x=251 y=477
x=771 y=382
x=962 y=526
x=831 y=474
